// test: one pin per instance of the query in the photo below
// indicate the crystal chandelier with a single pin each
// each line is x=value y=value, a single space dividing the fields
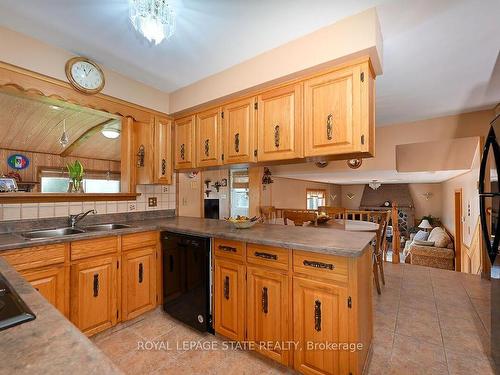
x=152 y=18
x=374 y=184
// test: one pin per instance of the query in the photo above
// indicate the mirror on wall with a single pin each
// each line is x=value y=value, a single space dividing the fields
x=49 y=146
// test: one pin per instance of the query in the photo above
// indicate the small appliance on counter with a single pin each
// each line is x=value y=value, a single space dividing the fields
x=13 y=310
x=187 y=279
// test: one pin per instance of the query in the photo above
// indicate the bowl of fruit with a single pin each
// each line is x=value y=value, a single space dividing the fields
x=242 y=222
x=323 y=218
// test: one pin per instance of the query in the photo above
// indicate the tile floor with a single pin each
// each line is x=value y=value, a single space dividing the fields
x=427 y=321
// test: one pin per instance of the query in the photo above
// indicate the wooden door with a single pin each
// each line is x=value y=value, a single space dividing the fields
x=143 y=148
x=267 y=312
x=333 y=113
x=184 y=141
x=280 y=134
x=138 y=282
x=239 y=132
x=163 y=151
x=229 y=287
x=208 y=138
x=93 y=294
x=319 y=316
x=50 y=283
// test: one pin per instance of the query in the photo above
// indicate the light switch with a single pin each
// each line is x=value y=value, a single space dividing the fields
x=152 y=202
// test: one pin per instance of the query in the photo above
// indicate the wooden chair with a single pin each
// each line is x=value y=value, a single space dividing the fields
x=299 y=217
x=268 y=213
x=378 y=261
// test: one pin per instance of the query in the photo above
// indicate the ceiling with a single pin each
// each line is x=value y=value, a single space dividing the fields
x=439 y=55
x=34 y=125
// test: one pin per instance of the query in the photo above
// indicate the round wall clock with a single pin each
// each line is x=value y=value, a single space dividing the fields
x=85 y=75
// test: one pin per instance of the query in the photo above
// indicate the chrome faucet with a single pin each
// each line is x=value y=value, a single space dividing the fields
x=74 y=219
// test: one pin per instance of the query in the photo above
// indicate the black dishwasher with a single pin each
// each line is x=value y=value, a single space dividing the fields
x=187 y=280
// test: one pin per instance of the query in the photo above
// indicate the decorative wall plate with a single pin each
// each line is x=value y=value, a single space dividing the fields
x=18 y=161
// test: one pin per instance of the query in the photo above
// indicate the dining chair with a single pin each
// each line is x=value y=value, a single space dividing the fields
x=268 y=213
x=378 y=261
x=299 y=217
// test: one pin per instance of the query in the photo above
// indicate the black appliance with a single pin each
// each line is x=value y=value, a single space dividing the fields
x=489 y=206
x=13 y=310
x=211 y=209
x=187 y=279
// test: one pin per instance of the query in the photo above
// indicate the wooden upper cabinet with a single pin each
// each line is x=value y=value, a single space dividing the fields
x=240 y=132
x=280 y=132
x=143 y=151
x=337 y=116
x=184 y=153
x=208 y=138
x=162 y=151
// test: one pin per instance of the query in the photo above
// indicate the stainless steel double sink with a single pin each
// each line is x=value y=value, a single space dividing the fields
x=61 y=232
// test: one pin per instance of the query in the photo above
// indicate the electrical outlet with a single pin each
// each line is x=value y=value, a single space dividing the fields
x=132 y=207
x=164 y=189
x=184 y=201
x=152 y=202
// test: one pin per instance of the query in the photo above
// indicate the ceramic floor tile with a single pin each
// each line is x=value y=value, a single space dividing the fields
x=458 y=364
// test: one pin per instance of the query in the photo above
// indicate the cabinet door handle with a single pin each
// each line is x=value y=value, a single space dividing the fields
x=171 y=263
x=141 y=273
x=277 y=136
x=96 y=285
x=183 y=151
x=227 y=248
x=207 y=147
x=259 y=254
x=265 y=302
x=311 y=263
x=226 y=287
x=163 y=167
x=237 y=142
x=329 y=127
x=317 y=315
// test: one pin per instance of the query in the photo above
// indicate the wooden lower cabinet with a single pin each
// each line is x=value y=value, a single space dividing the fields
x=267 y=312
x=94 y=294
x=138 y=282
x=229 y=299
x=320 y=317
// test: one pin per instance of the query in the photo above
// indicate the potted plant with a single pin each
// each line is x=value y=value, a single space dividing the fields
x=76 y=173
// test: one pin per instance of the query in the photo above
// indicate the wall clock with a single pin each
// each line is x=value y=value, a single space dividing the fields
x=85 y=75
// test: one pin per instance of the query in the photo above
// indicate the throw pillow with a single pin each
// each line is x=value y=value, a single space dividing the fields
x=440 y=237
x=421 y=235
x=423 y=243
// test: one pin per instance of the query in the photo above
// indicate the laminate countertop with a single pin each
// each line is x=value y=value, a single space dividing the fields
x=315 y=239
x=50 y=344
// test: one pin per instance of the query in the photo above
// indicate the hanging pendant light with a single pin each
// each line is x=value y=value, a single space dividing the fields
x=64 y=140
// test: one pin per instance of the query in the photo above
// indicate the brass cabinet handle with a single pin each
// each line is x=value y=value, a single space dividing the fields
x=266 y=255
x=317 y=315
x=227 y=248
x=277 y=136
x=311 y=263
x=226 y=287
x=96 y=285
x=265 y=302
x=329 y=127
x=141 y=273
x=163 y=167
x=237 y=142
x=183 y=151
x=207 y=147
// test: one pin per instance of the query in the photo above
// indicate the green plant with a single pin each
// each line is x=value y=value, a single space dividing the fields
x=76 y=173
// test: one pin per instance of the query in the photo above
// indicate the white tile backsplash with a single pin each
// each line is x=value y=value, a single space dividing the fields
x=29 y=211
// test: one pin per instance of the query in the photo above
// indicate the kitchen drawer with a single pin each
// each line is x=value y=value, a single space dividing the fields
x=138 y=240
x=319 y=265
x=229 y=249
x=269 y=256
x=35 y=257
x=91 y=248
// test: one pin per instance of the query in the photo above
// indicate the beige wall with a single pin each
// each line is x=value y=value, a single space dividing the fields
x=224 y=192
x=358 y=35
x=26 y=52
x=357 y=191
x=424 y=206
x=188 y=195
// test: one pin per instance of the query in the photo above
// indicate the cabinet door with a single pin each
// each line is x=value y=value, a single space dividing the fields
x=267 y=312
x=320 y=317
x=229 y=299
x=143 y=146
x=280 y=123
x=239 y=131
x=138 y=282
x=50 y=282
x=163 y=151
x=333 y=113
x=208 y=138
x=184 y=141
x=93 y=294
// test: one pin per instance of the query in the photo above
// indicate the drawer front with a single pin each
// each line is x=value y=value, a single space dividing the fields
x=269 y=256
x=91 y=248
x=138 y=240
x=34 y=257
x=319 y=265
x=229 y=249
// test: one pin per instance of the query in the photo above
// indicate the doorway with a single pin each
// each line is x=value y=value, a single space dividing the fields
x=458 y=230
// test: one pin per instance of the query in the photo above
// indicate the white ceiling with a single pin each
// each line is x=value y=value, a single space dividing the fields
x=439 y=55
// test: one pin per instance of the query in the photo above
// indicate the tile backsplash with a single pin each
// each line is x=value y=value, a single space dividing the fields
x=164 y=194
